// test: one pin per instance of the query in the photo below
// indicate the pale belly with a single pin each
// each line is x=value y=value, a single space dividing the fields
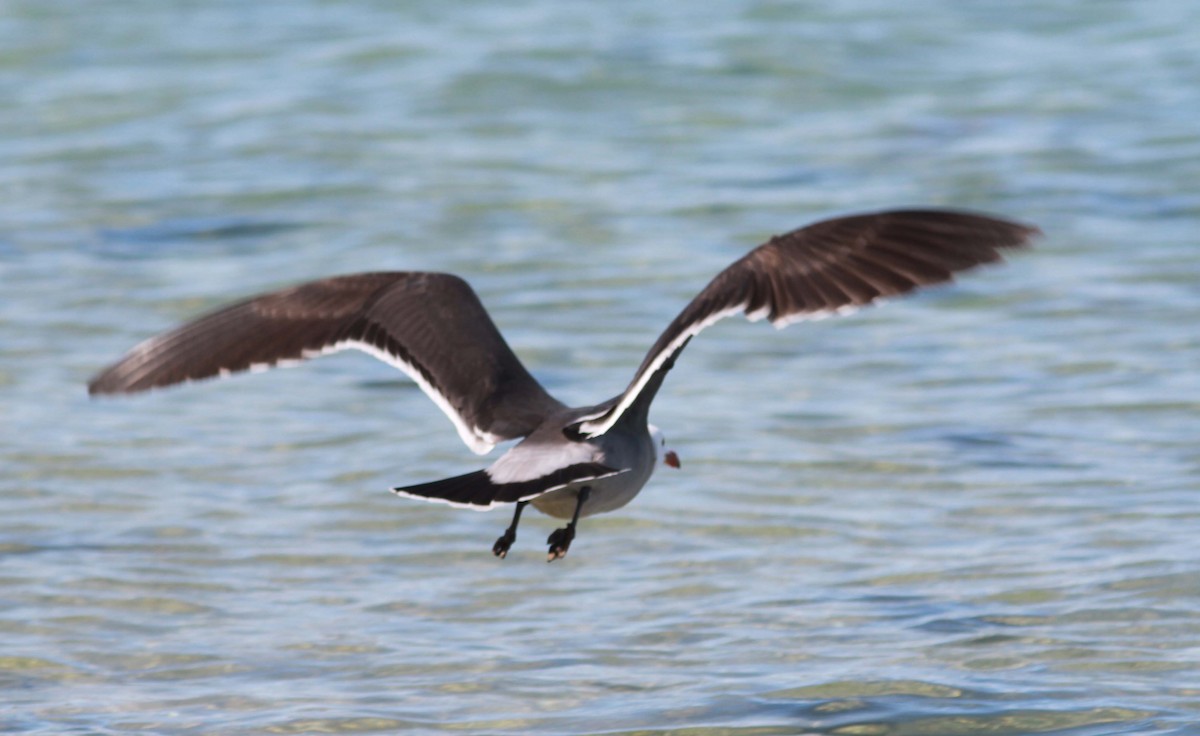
x=607 y=494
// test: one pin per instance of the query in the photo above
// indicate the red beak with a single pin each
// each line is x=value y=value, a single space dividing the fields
x=671 y=459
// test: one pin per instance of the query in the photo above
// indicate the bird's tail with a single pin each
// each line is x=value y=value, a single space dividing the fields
x=480 y=492
x=473 y=490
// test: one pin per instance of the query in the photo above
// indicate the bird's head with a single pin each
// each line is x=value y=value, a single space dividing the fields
x=667 y=455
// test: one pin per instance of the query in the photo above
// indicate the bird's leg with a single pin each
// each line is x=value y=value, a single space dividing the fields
x=500 y=548
x=560 y=539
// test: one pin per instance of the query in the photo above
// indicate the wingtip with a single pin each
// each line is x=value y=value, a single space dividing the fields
x=1022 y=233
x=106 y=383
x=99 y=386
x=1019 y=237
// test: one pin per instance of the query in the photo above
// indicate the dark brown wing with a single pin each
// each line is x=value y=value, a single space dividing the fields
x=829 y=267
x=430 y=325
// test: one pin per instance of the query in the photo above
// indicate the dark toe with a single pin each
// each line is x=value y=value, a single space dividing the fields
x=559 y=541
x=502 y=545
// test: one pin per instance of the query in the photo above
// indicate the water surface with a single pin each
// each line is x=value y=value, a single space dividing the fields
x=973 y=511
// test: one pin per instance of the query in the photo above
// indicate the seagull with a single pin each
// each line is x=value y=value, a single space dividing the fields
x=570 y=462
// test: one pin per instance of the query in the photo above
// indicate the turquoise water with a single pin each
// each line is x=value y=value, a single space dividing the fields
x=973 y=511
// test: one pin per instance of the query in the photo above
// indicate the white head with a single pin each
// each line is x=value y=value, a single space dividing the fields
x=661 y=451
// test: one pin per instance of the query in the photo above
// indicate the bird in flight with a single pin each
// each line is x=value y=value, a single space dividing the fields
x=571 y=462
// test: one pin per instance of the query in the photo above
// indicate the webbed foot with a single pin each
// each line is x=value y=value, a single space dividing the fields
x=560 y=541
x=502 y=545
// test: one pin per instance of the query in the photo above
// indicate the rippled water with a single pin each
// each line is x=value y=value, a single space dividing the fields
x=974 y=511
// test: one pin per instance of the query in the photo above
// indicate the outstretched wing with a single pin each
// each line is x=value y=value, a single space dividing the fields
x=432 y=326
x=830 y=267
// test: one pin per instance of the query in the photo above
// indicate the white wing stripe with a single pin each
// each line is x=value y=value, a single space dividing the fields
x=479 y=441
x=593 y=428
x=815 y=316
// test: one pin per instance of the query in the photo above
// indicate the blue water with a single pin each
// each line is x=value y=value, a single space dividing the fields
x=972 y=511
